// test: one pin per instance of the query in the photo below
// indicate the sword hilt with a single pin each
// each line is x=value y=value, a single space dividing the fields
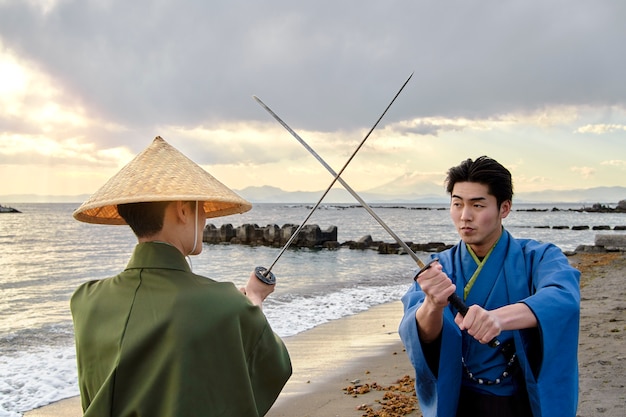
x=265 y=275
x=456 y=302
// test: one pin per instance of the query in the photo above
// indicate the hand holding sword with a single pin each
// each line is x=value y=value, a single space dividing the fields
x=256 y=290
x=454 y=299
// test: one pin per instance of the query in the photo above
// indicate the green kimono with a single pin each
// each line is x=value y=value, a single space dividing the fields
x=159 y=340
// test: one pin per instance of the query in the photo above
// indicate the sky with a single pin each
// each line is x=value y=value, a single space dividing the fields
x=539 y=85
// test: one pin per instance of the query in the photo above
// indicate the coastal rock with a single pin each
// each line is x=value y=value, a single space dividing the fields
x=6 y=209
x=395 y=248
x=602 y=208
x=331 y=244
x=365 y=242
x=612 y=242
x=249 y=234
x=429 y=247
x=595 y=208
x=588 y=249
x=605 y=243
x=389 y=248
x=286 y=232
x=311 y=236
x=271 y=234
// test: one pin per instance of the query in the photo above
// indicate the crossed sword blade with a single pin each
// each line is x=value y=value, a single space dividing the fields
x=454 y=299
x=265 y=274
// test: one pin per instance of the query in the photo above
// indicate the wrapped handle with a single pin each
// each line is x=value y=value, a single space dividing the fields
x=456 y=302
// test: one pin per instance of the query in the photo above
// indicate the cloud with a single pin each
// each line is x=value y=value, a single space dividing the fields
x=600 y=129
x=89 y=84
x=40 y=150
x=433 y=126
x=620 y=163
x=334 y=65
x=584 y=172
x=233 y=143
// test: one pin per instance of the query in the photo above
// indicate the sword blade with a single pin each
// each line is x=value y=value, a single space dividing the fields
x=454 y=299
x=366 y=206
x=266 y=271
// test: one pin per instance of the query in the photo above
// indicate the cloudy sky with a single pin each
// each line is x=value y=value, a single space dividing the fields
x=87 y=84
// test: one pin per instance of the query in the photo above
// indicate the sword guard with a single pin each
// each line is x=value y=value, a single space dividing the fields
x=264 y=275
x=425 y=267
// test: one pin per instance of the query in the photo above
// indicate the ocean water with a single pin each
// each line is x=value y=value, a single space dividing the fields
x=45 y=254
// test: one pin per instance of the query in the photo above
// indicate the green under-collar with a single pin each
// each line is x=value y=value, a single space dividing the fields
x=480 y=263
x=159 y=255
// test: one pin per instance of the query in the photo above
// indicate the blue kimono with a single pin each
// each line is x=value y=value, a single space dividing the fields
x=517 y=270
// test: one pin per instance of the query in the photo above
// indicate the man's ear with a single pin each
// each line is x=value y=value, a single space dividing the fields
x=505 y=208
x=180 y=210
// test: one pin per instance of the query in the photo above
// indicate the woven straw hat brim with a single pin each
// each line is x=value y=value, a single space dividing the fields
x=160 y=173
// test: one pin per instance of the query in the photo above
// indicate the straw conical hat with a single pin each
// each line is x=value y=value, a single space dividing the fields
x=160 y=173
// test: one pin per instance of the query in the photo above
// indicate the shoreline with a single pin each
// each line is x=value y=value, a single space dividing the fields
x=366 y=347
x=368 y=340
x=359 y=349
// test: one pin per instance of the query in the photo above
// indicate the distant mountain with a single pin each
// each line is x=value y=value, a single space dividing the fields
x=410 y=187
x=605 y=195
x=394 y=192
x=268 y=194
x=38 y=198
x=429 y=193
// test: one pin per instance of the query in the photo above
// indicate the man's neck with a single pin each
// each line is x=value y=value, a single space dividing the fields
x=482 y=250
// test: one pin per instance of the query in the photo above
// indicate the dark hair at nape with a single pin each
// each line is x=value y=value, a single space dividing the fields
x=146 y=218
x=483 y=170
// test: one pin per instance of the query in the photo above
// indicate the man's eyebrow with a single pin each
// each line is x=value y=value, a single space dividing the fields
x=471 y=199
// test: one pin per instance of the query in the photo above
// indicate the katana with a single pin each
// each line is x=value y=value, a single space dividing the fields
x=454 y=299
x=265 y=274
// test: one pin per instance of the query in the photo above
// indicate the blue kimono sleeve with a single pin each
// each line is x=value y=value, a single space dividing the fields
x=437 y=394
x=555 y=301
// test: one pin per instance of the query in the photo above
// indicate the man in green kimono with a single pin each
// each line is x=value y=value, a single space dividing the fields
x=157 y=339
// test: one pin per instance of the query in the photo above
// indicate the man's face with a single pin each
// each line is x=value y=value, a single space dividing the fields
x=476 y=215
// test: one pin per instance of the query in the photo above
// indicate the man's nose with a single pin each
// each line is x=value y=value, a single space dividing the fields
x=466 y=213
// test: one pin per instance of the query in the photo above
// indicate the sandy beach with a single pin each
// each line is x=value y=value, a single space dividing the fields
x=357 y=366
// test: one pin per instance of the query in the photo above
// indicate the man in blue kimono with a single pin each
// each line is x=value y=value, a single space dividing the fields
x=521 y=291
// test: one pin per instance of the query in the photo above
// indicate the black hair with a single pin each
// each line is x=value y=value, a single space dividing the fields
x=486 y=171
x=146 y=219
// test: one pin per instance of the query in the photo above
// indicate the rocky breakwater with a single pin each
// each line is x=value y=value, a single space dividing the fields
x=595 y=208
x=310 y=236
x=386 y=248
